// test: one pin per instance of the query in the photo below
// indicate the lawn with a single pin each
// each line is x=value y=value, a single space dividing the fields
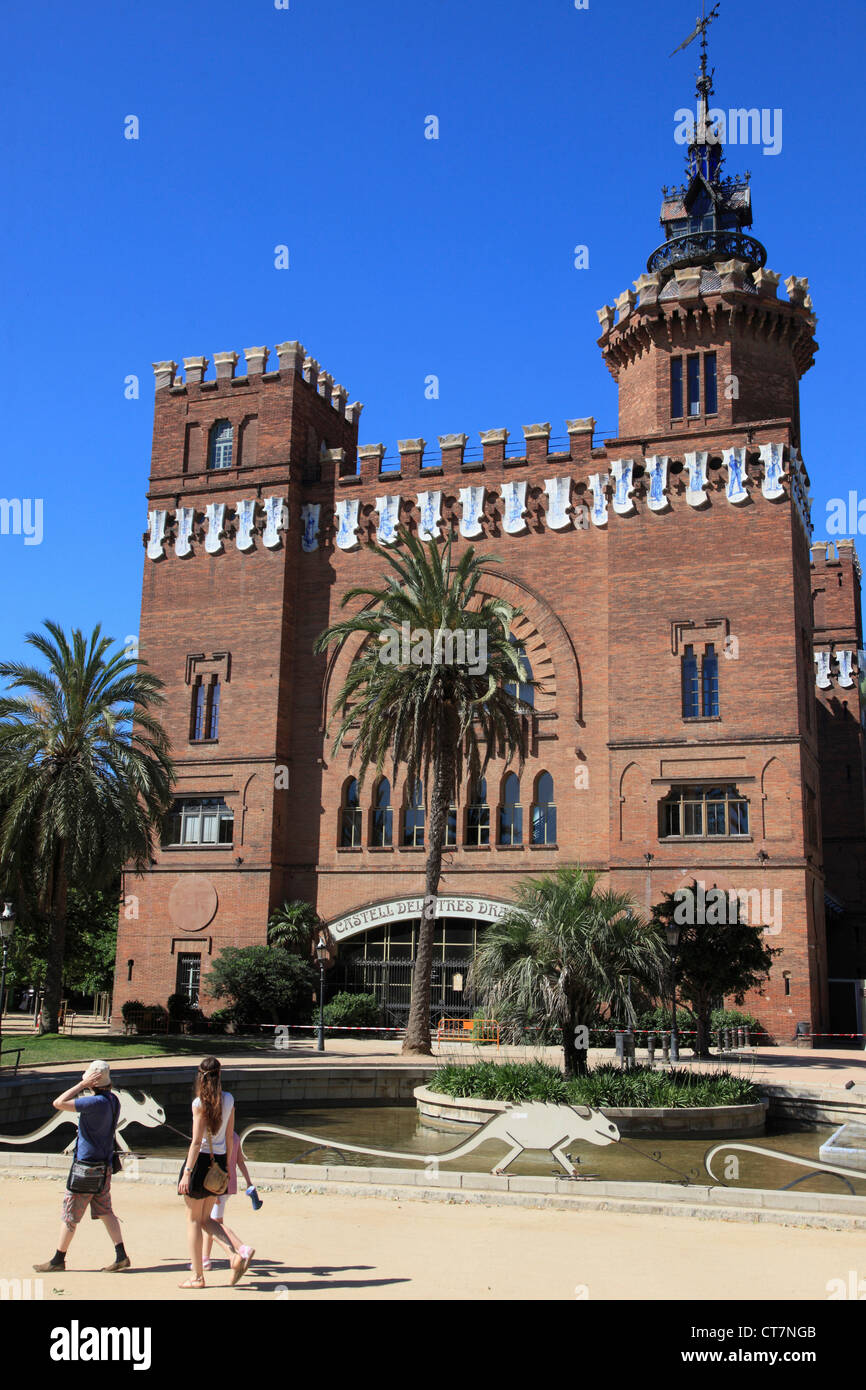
x=43 y=1050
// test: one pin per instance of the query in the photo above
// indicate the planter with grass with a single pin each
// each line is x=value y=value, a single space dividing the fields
x=642 y=1101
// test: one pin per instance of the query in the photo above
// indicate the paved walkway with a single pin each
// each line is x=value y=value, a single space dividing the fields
x=334 y=1247
x=773 y=1065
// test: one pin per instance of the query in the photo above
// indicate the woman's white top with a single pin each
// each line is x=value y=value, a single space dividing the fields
x=219 y=1138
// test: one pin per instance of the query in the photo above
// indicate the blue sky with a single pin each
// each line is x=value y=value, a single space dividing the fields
x=408 y=256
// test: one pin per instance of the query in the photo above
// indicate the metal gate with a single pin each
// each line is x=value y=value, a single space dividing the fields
x=391 y=982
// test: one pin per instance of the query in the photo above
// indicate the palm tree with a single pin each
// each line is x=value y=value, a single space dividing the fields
x=433 y=714
x=85 y=776
x=293 y=927
x=563 y=952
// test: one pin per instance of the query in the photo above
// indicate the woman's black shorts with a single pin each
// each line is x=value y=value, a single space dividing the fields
x=197 y=1176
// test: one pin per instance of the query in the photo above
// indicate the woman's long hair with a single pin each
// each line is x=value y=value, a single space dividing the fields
x=208 y=1088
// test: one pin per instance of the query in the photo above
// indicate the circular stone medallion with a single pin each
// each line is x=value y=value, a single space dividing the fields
x=192 y=903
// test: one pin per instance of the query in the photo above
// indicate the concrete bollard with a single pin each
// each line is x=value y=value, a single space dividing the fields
x=651 y=1048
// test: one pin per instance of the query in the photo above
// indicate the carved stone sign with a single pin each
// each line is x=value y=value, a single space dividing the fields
x=404 y=909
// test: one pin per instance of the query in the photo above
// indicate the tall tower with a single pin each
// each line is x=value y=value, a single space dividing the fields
x=707 y=358
x=233 y=459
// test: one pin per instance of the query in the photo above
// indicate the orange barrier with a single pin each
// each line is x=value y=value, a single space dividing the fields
x=468 y=1030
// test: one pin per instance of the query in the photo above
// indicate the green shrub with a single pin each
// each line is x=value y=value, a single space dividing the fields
x=130 y=1007
x=735 y=1018
x=347 y=1010
x=605 y=1085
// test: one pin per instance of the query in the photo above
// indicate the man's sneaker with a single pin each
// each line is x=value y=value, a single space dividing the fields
x=118 y=1265
x=50 y=1267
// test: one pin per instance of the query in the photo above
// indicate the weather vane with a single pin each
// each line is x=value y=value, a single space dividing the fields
x=701 y=27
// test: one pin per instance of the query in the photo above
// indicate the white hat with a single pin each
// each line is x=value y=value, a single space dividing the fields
x=97 y=1074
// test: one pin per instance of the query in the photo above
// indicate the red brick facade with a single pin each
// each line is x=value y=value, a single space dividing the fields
x=607 y=613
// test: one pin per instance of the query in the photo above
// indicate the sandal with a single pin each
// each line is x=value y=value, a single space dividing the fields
x=195 y=1283
x=239 y=1269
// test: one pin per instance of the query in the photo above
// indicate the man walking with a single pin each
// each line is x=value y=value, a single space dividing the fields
x=96 y=1125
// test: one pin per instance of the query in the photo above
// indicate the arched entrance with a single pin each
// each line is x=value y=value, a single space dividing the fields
x=378 y=944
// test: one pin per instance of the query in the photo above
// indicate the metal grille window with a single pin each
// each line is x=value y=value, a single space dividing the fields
x=189 y=977
x=710 y=682
x=511 y=813
x=544 y=812
x=413 y=818
x=208 y=821
x=704 y=813
x=383 y=815
x=221 y=445
x=351 y=817
x=478 y=817
x=691 y=707
x=676 y=388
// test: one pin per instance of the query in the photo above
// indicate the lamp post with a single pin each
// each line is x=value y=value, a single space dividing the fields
x=322 y=954
x=7 y=928
x=672 y=932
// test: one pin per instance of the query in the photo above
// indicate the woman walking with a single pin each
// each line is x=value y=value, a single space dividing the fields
x=213 y=1113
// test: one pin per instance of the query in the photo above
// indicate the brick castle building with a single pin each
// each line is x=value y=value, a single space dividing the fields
x=698 y=715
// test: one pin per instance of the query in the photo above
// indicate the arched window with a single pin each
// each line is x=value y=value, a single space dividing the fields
x=413 y=818
x=478 y=816
x=522 y=691
x=544 y=812
x=383 y=815
x=221 y=445
x=351 y=816
x=511 y=813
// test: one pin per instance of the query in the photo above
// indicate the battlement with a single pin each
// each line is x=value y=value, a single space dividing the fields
x=292 y=361
x=455 y=456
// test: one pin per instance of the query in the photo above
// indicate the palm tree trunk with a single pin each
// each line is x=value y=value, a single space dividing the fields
x=56 y=945
x=575 y=1058
x=417 y=1039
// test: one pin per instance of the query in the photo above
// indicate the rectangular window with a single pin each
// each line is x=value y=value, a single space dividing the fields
x=676 y=388
x=478 y=825
x=413 y=827
x=711 y=390
x=710 y=682
x=213 y=723
x=382 y=826
x=351 y=828
x=451 y=826
x=708 y=812
x=207 y=822
x=189 y=977
x=198 y=711
x=693 y=380
x=691 y=707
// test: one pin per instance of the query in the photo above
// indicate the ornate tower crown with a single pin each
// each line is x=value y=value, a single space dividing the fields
x=704 y=218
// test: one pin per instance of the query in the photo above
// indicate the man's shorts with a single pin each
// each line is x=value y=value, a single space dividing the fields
x=75 y=1204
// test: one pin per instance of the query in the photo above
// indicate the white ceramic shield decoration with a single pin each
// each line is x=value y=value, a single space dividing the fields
x=388 y=508
x=822 y=661
x=657 y=473
x=274 y=507
x=514 y=497
x=246 y=517
x=472 y=502
x=598 y=487
x=623 y=486
x=735 y=487
x=310 y=526
x=430 y=508
x=846 y=663
x=771 y=458
x=347 y=523
x=156 y=522
x=185 y=518
x=215 y=513
x=696 y=472
x=558 y=496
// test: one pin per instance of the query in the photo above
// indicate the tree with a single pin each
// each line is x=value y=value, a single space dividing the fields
x=294 y=926
x=263 y=984
x=407 y=698
x=85 y=776
x=720 y=954
x=561 y=958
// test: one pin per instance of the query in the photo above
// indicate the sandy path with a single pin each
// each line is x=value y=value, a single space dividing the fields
x=314 y=1247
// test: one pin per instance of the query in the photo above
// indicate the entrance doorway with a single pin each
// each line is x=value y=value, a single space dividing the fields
x=381 y=962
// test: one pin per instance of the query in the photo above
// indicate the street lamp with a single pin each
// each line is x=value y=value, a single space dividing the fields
x=322 y=953
x=672 y=932
x=7 y=928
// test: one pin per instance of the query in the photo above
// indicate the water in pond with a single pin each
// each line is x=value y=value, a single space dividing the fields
x=401 y=1129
